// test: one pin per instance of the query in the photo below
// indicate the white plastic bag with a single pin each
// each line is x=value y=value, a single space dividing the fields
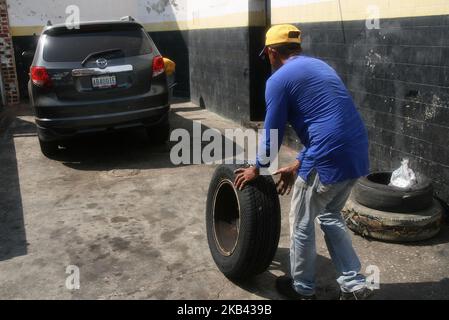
x=404 y=177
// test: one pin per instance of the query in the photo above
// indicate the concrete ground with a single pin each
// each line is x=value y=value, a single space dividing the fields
x=134 y=224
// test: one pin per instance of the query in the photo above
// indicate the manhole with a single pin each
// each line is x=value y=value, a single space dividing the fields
x=123 y=173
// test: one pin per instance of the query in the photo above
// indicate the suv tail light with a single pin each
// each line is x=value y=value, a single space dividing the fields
x=158 y=66
x=40 y=77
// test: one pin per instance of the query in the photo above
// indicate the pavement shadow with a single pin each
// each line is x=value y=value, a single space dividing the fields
x=414 y=291
x=131 y=149
x=264 y=285
x=13 y=241
x=327 y=288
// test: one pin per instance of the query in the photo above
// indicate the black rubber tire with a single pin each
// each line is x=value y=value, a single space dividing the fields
x=258 y=229
x=373 y=192
x=393 y=227
x=49 y=148
x=160 y=133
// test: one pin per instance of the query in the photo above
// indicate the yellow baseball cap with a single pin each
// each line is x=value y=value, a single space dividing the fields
x=280 y=34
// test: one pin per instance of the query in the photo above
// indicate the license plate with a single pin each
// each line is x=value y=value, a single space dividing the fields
x=104 y=82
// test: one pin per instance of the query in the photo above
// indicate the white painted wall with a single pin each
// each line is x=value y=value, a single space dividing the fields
x=216 y=8
x=24 y=13
x=38 y=12
x=288 y=3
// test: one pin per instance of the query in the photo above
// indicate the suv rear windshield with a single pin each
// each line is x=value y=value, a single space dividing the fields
x=76 y=46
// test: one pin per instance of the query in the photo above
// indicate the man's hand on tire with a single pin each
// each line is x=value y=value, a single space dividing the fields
x=287 y=178
x=244 y=176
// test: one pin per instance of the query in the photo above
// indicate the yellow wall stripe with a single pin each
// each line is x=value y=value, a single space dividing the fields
x=357 y=10
x=26 y=31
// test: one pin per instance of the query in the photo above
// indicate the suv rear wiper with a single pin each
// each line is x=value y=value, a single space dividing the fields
x=94 y=54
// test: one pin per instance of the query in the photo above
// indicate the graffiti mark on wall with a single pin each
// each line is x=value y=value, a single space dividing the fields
x=161 y=5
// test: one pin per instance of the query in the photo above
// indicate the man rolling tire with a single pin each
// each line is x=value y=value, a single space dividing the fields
x=308 y=93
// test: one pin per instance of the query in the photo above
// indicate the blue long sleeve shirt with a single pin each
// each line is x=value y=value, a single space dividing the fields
x=308 y=93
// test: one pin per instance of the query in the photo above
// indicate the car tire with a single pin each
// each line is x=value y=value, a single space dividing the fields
x=49 y=148
x=160 y=133
x=393 y=227
x=243 y=227
x=374 y=192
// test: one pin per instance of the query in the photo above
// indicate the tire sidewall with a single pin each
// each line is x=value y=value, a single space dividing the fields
x=227 y=263
x=389 y=198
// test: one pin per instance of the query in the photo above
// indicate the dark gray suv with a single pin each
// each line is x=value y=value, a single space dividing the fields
x=103 y=76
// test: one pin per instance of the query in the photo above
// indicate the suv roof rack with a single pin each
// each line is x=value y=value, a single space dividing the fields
x=127 y=18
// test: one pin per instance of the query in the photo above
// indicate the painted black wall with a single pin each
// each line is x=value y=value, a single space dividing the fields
x=260 y=71
x=21 y=44
x=399 y=78
x=220 y=71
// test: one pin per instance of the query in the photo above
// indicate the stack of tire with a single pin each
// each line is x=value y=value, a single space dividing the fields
x=380 y=211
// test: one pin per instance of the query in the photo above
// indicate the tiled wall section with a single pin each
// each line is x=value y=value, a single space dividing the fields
x=399 y=78
x=21 y=44
x=7 y=61
x=219 y=71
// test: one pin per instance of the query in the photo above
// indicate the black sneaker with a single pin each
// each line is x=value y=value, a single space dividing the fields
x=284 y=285
x=361 y=294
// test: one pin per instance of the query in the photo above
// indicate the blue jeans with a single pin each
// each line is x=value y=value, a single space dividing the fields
x=315 y=200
